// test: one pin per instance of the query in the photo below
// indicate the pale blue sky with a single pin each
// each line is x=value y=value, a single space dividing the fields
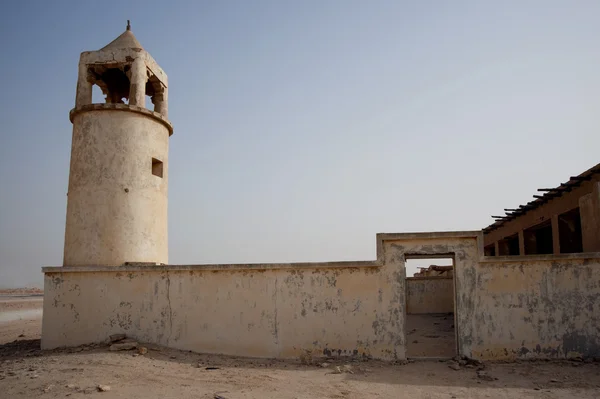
x=303 y=128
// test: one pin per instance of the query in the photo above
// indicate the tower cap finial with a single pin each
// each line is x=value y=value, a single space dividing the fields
x=128 y=25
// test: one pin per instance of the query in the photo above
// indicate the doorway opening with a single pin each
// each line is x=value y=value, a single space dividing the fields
x=430 y=308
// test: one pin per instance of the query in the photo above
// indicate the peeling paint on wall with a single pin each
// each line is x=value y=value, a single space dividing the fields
x=538 y=308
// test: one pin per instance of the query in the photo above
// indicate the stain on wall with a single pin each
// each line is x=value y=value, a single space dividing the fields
x=538 y=308
x=429 y=295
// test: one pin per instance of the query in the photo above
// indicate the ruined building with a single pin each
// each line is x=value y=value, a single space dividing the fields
x=563 y=220
x=434 y=270
x=540 y=302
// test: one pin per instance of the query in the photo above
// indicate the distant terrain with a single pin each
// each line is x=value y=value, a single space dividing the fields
x=21 y=291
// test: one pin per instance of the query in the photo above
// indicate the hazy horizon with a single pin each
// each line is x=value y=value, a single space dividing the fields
x=302 y=129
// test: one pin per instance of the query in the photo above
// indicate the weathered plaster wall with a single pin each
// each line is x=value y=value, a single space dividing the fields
x=343 y=308
x=542 y=307
x=262 y=312
x=429 y=295
x=116 y=208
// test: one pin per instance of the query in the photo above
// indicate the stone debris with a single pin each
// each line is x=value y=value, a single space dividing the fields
x=324 y=365
x=123 y=346
x=48 y=388
x=71 y=386
x=103 y=388
x=454 y=366
x=142 y=350
x=306 y=357
x=483 y=375
x=117 y=337
x=346 y=368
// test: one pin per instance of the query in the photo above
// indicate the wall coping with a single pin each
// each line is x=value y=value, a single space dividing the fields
x=122 y=107
x=214 y=267
x=533 y=258
x=430 y=235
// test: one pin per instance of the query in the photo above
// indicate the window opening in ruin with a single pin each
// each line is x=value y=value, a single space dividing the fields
x=157 y=167
x=509 y=246
x=430 y=330
x=569 y=232
x=490 y=250
x=538 y=239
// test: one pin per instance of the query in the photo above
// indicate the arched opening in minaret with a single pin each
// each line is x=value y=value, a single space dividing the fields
x=97 y=95
x=148 y=103
x=114 y=84
x=154 y=94
x=117 y=85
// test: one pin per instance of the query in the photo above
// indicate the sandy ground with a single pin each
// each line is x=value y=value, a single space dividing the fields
x=430 y=335
x=20 y=317
x=28 y=372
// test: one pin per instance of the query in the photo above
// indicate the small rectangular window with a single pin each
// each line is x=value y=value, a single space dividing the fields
x=157 y=167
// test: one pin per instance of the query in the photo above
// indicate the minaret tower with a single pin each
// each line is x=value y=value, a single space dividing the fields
x=117 y=198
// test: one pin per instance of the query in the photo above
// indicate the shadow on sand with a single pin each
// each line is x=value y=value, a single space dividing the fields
x=535 y=375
